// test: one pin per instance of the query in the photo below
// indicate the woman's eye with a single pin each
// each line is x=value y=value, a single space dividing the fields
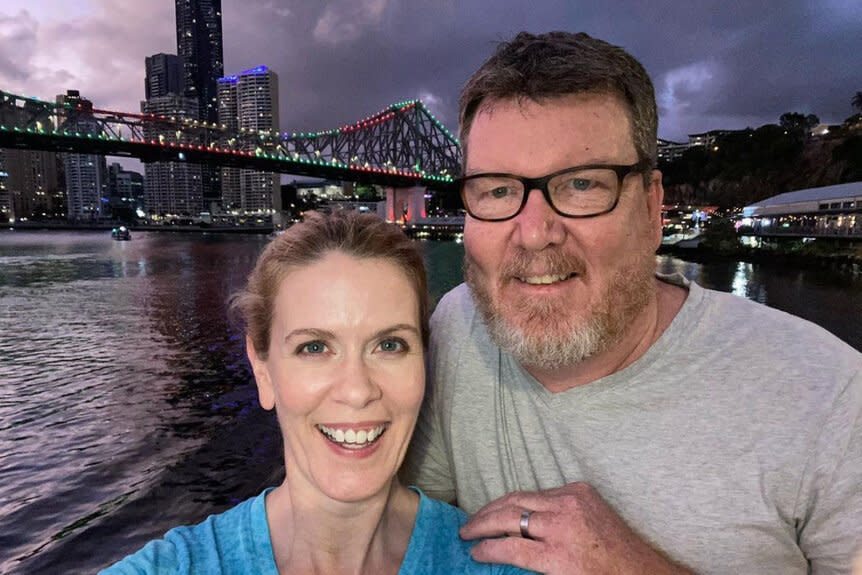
x=312 y=348
x=392 y=345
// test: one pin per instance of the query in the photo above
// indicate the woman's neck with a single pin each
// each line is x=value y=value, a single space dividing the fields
x=312 y=533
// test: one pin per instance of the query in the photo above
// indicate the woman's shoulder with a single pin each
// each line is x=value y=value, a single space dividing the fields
x=435 y=546
x=225 y=544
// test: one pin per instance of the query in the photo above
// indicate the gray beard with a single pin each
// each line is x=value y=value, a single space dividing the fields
x=538 y=334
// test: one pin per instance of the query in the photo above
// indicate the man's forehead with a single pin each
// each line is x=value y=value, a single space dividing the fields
x=526 y=105
x=598 y=130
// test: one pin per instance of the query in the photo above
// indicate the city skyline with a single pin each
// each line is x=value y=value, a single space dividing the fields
x=716 y=67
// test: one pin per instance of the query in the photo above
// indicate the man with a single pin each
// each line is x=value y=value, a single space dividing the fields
x=606 y=419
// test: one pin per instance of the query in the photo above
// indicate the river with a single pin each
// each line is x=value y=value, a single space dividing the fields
x=126 y=404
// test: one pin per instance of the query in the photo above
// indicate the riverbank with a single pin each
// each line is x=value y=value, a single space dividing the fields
x=807 y=256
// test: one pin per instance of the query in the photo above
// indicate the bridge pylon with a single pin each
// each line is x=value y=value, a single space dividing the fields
x=405 y=205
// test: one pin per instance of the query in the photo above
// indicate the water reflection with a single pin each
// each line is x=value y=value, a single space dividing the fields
x=828 y=297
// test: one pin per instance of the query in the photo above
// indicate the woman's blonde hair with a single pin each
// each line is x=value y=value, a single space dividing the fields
x=363 y=236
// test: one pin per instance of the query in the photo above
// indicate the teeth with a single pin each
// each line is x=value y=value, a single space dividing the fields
x=351 y=437
x=543 y=280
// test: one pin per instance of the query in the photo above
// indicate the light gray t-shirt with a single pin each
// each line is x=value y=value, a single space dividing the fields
x=734 y=445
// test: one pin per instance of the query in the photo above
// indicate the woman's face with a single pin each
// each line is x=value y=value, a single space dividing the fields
x=345 y=373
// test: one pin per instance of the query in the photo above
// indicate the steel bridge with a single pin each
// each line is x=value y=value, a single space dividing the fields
x=403 y=145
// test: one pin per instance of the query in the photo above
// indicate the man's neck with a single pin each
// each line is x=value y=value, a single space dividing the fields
x=640 y=335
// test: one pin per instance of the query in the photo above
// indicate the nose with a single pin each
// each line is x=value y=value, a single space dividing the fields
x=538 y=225
x=356 y=386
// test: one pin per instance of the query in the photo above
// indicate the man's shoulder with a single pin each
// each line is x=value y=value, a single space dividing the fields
x=455 y=305
x=772 y=345
x=456 y=324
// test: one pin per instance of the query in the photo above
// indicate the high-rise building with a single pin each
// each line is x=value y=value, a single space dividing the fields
x=33 y=185
x=163 y=75
x=227 y=117
x=172 y=189
x=126 y=190
x=30 y=181
x=199 y=47
x=249 y=101
x=86 y=174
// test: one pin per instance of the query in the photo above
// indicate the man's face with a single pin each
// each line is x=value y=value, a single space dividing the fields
x=555 y=290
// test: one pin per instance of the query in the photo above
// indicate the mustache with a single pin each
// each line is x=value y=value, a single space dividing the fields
x=549 y=261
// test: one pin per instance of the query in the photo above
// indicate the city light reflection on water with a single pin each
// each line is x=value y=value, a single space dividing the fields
x=126 y=405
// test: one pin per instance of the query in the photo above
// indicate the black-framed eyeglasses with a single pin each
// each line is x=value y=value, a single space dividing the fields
x=577 y=192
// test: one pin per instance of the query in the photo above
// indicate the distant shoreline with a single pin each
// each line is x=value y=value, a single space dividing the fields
x=50 y=226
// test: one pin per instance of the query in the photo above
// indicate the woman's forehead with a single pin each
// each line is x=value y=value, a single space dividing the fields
x=340 y=290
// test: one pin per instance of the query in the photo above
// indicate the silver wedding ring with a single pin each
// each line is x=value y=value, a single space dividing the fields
x=524 y=524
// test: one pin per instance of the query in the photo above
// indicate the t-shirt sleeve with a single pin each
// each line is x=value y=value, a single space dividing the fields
x=428 y=465
x=159 y=557
x=830 y=502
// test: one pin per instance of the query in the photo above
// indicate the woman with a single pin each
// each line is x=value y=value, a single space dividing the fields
x=336 y=315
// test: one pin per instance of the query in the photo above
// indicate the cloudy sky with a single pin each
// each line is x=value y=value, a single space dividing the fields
x=715 y=63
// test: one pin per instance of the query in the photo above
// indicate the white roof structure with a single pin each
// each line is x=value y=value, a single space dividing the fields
x=842 y=198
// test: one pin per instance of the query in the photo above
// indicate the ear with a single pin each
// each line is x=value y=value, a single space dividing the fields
x=265 y=388
x=655 y=199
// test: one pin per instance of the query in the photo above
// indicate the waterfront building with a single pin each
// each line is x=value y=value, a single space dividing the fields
x=172 y=189
x=249 y=102
x=163 y=75
x=830 y=211
x=323 y=190
x=85 y=174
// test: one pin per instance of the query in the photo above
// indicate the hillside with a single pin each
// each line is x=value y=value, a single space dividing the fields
x=750 y=165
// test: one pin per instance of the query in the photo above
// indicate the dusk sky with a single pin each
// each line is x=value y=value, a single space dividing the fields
x=715 y=64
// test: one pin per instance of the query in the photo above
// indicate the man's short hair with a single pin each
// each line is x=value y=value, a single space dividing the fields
x=544 y=66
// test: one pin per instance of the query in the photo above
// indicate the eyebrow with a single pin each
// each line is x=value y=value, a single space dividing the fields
x=324 y=334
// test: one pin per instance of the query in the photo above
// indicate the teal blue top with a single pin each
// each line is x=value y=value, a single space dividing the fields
x=237 y=542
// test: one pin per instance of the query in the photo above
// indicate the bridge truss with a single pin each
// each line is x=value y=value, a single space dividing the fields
x=402 y=145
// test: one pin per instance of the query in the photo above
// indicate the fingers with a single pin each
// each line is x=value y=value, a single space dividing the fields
x=502 y=516
x=516 y=551
x=501 y=521
x=546 y=500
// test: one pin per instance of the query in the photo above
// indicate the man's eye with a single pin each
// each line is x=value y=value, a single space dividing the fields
x=393 y=345
x=579 y=184
x=499 y=192
x=312 y=348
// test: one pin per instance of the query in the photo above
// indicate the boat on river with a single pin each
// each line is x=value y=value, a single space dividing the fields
x=121 y=233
